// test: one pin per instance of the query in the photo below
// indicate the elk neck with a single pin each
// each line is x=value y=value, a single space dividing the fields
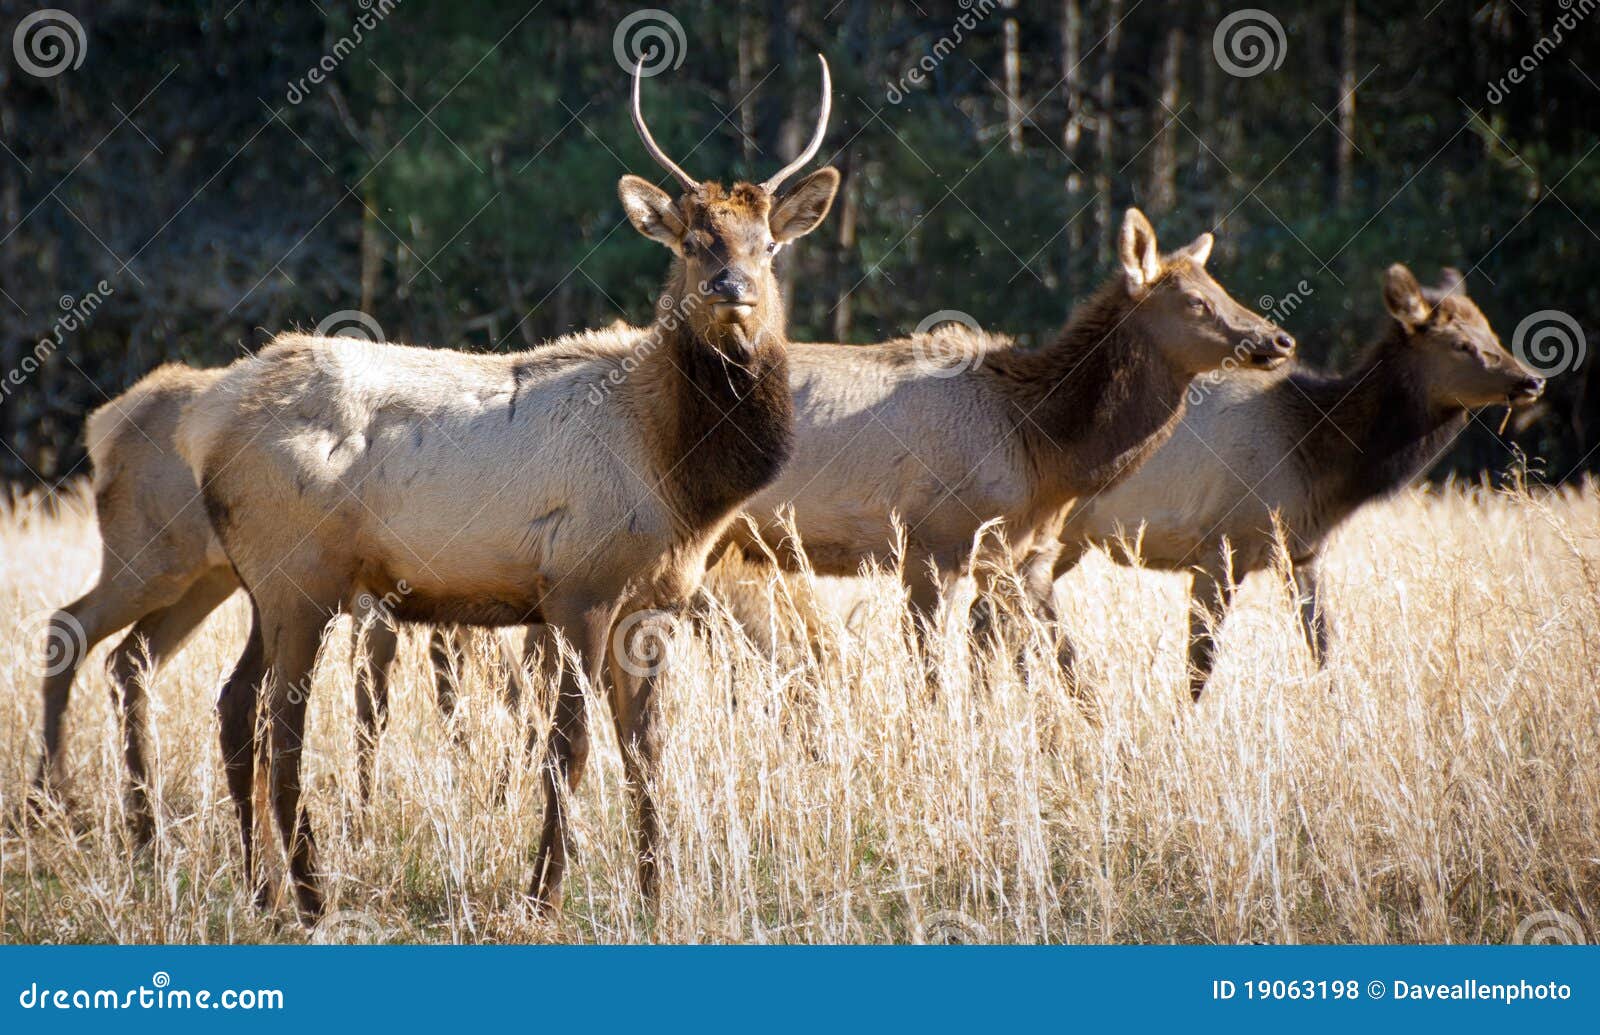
x=1092 y=406
x=726 y=418
x=1381 y=431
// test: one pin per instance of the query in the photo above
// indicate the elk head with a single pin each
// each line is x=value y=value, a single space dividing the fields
x=726 y=238
x=1458 y=358
x=1177 y=304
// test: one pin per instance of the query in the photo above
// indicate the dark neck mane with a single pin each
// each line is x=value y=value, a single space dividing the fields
x=1097 y=402
x=727 y=418
x=1381 y=432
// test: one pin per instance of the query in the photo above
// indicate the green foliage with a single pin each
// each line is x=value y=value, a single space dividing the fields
x=455 y=176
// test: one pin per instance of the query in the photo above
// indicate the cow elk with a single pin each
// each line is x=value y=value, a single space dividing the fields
x=163 y=572
x=884 y=437
x=1296 y=450
x=580 y=485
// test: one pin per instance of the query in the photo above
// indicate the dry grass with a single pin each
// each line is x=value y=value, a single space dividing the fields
x=1439 y=782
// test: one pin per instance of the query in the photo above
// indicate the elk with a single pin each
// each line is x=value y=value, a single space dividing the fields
x=883 y=436
x=580 y=486
x=1057 y=424
x=163 y=572
x=1298 y=450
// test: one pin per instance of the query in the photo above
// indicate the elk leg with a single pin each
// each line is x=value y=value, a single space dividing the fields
x=538 y=643
x=293 y=641
x=375 y=643
x=1307 y=590
x=236 y=712
x=586 y=628
x=1040 y=570
x=633 y=710
x=447 y=651
x=924 y=585
x=1034 y=574
x=1210 y=593
x=1066 y=558
x=154 y=639
x=72 y=633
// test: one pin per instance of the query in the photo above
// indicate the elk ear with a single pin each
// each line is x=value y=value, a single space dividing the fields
x=1198 y=250
x=1141 y=262
x=1403 y=296
x=1451 y=281
x=805 y=206
x=651 y=210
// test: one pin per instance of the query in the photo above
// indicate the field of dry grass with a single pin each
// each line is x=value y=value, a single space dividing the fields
x=1440 y=781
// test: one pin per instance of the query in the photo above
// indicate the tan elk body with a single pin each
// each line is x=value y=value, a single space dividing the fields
x=161 y=569
x=1298 y=451
x=569 y=486
x=887 y=434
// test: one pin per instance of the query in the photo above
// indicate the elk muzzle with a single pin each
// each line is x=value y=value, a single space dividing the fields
x=1526 y=391
x=1271 y=352
x=732 y=295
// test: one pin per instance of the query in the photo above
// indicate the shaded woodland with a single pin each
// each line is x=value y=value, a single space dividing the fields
x=453 y=175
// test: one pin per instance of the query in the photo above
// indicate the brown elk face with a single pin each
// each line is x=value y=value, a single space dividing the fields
x=725 y=239
x=1459 y=358
x=1197 y=324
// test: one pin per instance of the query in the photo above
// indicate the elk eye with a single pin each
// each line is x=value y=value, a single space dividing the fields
x=1197 y=303
x=772 y=247
x=1463 y=346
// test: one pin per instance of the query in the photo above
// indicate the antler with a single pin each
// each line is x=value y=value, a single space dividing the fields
x=772 y=183
x=650 y=145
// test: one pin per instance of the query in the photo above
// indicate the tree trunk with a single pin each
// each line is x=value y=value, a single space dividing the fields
x=844 y=262
x=1072 y=126
x=1344 y=154
x=1105 y=126
x=1205 y=166
x=781 y=132
x=746 y=83
x=1013 y=81
x=1164 y=152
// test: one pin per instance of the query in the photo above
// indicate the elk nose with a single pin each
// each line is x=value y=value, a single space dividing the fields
x=1273 y=352
x=730 y=287
x=1528 y=389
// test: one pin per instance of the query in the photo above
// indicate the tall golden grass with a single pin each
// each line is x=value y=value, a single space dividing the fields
x=1439 y=781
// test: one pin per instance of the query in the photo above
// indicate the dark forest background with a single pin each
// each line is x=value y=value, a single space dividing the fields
x=454 y=176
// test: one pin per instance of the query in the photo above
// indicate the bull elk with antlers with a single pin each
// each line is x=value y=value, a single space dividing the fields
x=577 y=486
